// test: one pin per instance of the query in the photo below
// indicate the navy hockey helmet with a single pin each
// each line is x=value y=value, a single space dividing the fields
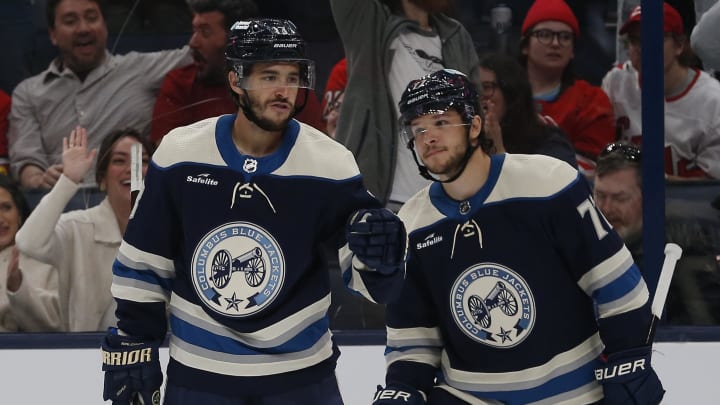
x=437 y=93
x=267 y=40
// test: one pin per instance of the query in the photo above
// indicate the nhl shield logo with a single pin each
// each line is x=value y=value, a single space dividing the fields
x=493 y=305
x=238 y=269
x=250 y=165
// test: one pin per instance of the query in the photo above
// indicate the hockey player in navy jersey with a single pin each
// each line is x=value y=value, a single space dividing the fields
x=225 y=238
x=517 y=289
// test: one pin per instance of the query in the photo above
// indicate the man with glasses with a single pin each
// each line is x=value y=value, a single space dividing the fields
x=692 y=101
x=227 y=233
x=515 y=285
x=618 y=193
x=581 y=110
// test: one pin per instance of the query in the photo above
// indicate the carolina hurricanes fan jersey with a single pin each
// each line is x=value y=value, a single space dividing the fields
x=230 y=243
x=692 y=120
x=502 y=289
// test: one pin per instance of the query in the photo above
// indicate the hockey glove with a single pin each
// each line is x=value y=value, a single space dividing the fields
x=628 y=378
x=397 y=394
x=132 y=370
x=378 y=238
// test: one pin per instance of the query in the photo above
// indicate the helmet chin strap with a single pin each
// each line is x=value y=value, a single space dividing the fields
x=424 y=172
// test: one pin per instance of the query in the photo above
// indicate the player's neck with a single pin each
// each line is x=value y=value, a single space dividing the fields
x=472 y=179
x=252 y=140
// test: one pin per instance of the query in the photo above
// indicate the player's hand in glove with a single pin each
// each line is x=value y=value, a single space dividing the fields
x=132 y=370
x=377 y=237
x=398 y=394
x=628 y=379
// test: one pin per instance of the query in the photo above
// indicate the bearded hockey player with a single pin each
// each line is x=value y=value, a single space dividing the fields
x=517 y=289
x=226 y=236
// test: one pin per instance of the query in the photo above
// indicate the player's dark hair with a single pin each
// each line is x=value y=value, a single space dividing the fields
x=232 y=10
x=105 y=151
x=51 y=7
x=13 y=188
x=522 y=131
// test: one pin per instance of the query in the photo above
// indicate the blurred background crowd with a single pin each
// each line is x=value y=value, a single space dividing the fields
x=561 y=78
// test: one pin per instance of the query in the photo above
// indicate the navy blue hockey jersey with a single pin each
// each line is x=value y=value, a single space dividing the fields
x=503 y=289
x=231 y=243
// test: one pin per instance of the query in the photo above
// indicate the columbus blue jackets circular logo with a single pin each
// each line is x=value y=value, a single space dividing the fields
x=493 y=305
x=238 y=269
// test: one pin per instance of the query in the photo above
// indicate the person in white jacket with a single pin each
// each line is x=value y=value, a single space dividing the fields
x=82 y=244
x=28 y=289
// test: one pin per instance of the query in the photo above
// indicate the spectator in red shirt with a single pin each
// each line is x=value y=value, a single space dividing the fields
x=198 y=91
x=581 y=110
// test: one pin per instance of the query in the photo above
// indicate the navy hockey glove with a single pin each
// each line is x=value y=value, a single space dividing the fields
x=397 y=394
x=378 y=238
x=628 y=379
x=132 y=370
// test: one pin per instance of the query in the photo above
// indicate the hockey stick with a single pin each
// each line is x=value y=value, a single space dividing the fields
x=136 y=175
x=672 y=254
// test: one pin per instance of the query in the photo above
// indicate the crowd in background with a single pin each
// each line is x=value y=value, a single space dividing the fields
x=557 y=78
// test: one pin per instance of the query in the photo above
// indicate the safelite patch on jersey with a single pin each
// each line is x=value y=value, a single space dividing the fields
x=238 y=269
x=493 y=305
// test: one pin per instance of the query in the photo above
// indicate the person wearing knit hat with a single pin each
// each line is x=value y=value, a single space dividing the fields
x=581 y=110
x=692 y=100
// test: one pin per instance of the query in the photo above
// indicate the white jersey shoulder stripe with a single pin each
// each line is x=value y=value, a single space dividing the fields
x=419 y=212
x=317 y=155
x=193 y=143
x=531 y=176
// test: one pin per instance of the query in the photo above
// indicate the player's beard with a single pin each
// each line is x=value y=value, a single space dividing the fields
x=433 y=6
x=269 y=124
x=450 y=167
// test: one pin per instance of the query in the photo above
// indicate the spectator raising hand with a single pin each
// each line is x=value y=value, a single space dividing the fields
x=77 y=159
x=82 y=244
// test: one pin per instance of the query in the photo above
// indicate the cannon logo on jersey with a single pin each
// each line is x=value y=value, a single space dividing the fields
x=493 y=305
x=238 y=269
